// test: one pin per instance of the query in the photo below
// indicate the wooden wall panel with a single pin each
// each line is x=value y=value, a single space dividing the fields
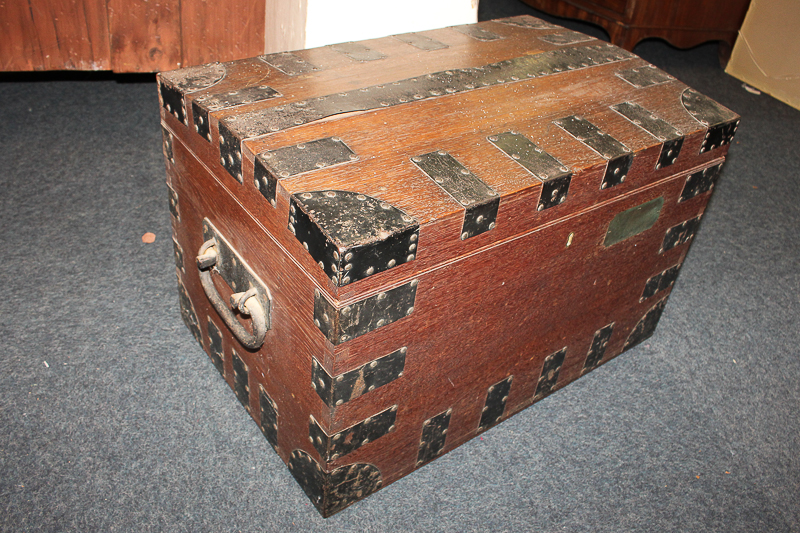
x=220 y=30
x=145 y=35
x=19 y=45
x=285 y=23
x=54 y=35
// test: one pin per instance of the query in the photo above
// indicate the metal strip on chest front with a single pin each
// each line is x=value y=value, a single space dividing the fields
x=479 y=201
x=331 y=447
x=358 y=52
x=526 y=21
x=423 y=42
x=347 y=386
x=241 y=384
x=203 y=105
x=554 y=175
x=566 y=37
x=679 y=234
x=657 y=127
x=256 y=123
x=476 y=32
x=700 y=182
x=215 y=349
x=434 y=436
x=598 y=348
x=644 y=76
x=549 y=376
x=364 y=316
x=721 y=122
x=269 y=417
x=272 y=165
x=619 y=156
x=496 y=398
x=289 y=63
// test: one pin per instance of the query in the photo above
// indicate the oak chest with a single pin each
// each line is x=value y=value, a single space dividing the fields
x=387 y=247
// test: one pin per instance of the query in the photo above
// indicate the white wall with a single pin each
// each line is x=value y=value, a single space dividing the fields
x=337 y=21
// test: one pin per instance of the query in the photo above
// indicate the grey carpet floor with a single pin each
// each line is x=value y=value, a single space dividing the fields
x=112 y=419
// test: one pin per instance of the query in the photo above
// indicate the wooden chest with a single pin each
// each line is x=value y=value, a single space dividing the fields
x=387 y=247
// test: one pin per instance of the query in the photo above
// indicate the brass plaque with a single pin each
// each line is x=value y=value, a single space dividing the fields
x=633 y=221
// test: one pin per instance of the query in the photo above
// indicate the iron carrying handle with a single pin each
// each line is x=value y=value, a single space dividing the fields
x=247 y=303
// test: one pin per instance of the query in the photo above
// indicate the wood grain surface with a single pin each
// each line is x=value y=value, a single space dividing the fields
x=128 y=35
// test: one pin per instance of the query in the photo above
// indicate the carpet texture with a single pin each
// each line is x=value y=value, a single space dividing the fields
x=114 y=420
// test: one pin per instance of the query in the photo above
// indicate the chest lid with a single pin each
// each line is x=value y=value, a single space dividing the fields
x=406 y=152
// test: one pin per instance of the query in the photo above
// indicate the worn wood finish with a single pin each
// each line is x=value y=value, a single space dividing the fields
x=145 y=36
x=131 y=35
x=221 y=31
x=683 y=23
x=45 y=35
x=500 y=320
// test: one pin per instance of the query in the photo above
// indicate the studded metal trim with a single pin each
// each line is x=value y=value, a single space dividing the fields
x=528 y=22
x=660 y=282
x=352 y=236
x=268 y=421
x=257 y=123
x=598 y=348
x=347 y=386
x=174 y=204
x=476 y=32
x=722 y=123
x=241 y=384
x=700 y=182
x=550 y=370
x=479 y=201
x=203 y=105
x=655 y=126
x=188 y=313
x=420 y=41
x=680 y=234
x=619 y=156
x=178 y=253
x=354 y=320
x=175 y=84
x=434 y=436
x=230 y=152
x=272 y=165
x=566 y=37
x=331 y=447
x=332 y=492
x=215 y=349
x=167 y=145
x=358 y=52
x=645 y=76
x=646 y=326
x=555 y=177
x=496 y=398
x=289 y=63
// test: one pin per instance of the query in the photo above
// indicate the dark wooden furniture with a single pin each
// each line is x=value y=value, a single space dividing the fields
x=683 y=23
x=422 y=235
